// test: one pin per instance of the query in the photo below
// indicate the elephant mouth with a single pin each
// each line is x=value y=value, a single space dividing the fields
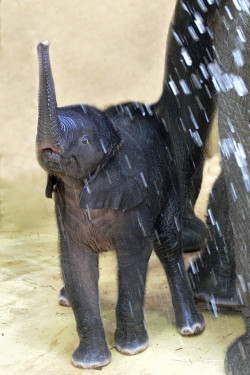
x=51 y=157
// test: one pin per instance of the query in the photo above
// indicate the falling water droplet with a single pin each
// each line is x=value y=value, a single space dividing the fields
x=128 y=112
x=177 y=38
x=193 y=34
x=86 y=183
x=88 y=212
x=196 y=137
x=242 y=284
x=157 y=237
x=239 y=85
x=241 y=35
x=148 y=108
x=230 y=125
x=199 y=23
x=208 y=92
x=193 y=267
x=177 y=223
x=233 y=191
x=193 y=118
x=228 y=12
x=103 y=146
x=212 y=301
x=237 y=5
x=182 y=124
x=173 y=86
x=186 y=56
x=196 y=81
x=211 y=216
x=143 y=179
x=202 y=6
x=184 y=87
x=242 y=350
x=109 y=179
x=204 y=71
x=238 y=58
x=218 y=228
x=128 y=162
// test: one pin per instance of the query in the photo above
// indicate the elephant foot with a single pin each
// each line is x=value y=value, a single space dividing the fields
x=190 y=322
x=213 y=286
x=132 y=340
x=63 y=298
x=85 y=356
x=193 y=233
x=237 y=361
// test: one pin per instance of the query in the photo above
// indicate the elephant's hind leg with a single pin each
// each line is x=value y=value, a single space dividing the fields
x=168 y=248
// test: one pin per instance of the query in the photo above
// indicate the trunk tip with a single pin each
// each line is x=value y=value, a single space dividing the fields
x=44 y=44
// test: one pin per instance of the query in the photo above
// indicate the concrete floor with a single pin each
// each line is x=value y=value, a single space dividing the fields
x=37 y=336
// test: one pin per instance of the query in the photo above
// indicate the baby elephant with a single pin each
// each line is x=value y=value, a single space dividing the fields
x=113 y=174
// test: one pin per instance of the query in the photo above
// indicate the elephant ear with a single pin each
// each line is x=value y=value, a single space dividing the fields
x=51 y=184
x=119 y=185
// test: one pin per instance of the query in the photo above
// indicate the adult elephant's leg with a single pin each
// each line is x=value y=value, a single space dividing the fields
x=187 y=105
x=232 y=33
x=212 y=275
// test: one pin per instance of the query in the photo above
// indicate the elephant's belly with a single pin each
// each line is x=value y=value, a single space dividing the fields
x=94 y=228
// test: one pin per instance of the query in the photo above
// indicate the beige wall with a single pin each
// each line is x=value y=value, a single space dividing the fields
x=102 y=52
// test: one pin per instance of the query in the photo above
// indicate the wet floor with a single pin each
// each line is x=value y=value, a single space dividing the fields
x=37 y=336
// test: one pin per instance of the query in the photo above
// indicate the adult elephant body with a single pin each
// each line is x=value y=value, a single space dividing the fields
x=208 y=57
x=232 y=45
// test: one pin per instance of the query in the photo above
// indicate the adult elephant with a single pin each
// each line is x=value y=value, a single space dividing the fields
x=232 y=30
x=210 y=43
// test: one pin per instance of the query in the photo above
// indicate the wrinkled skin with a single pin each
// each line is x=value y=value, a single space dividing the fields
x=231 y=32
x=213 y=274
x=233 y=121
x=115 y=184
x=221 y=44
x=188 y=104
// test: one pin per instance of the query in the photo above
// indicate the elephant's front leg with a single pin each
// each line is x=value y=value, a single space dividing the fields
x=133 y=254
x=80 y=272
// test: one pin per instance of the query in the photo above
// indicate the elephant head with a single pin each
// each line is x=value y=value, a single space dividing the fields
x=71 y=141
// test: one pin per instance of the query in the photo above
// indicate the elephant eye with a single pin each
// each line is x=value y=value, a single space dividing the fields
x=85 y=141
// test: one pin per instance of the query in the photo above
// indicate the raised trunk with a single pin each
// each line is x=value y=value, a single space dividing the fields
x=49 y=128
